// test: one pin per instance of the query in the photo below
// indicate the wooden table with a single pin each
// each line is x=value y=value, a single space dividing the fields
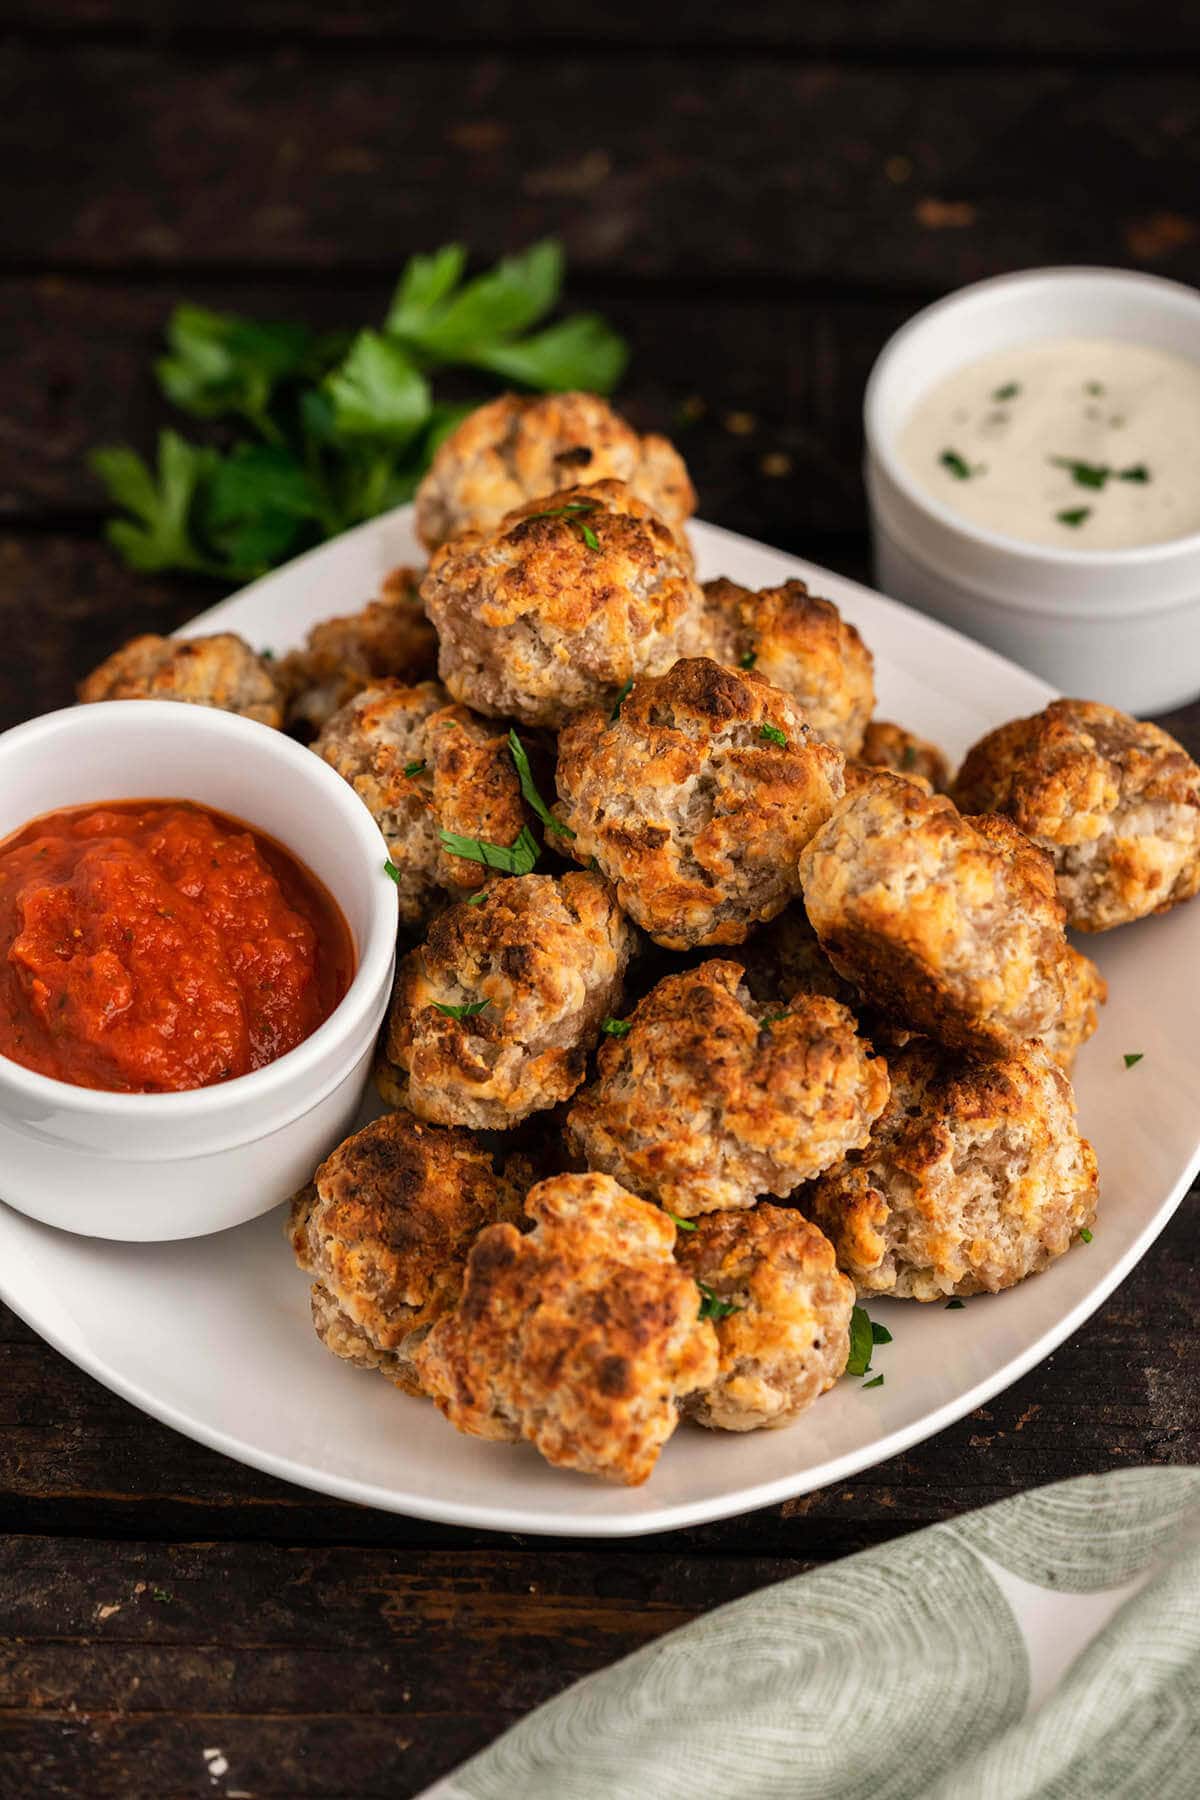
x=757 y=208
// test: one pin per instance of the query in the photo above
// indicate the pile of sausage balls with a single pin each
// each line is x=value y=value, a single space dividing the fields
x=719 y=1004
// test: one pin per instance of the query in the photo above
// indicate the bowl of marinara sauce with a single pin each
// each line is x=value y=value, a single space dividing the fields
x=196 y=945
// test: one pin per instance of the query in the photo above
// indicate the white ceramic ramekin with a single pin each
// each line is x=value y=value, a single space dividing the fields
x=1122 y=626
x=151 y=1166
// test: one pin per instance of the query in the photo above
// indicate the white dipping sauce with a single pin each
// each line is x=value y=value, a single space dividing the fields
x=1088 y=444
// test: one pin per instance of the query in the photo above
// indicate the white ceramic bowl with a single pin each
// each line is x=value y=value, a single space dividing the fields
x=1122 y=626
x=153 y=1166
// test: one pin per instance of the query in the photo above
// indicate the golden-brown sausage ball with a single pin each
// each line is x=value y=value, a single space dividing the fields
x=521 y=447
x=581 y=1337
x=781 y=1311
x=384 y=1228
x=1084 y=993
x=220 y=671
x=1114 y=801
x=560 y=604
x=494 y=1014
x=389 y=638
x=711 y=1099
x=888 y=746
x=422 y=765
x=949 y=925
x=975 y=1177
x=697 y=798
x=802 y=644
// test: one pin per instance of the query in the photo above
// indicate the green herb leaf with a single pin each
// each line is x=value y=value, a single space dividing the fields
x=861 y=1343
x=516 y=750
x=876 y=1381
x=1009 y=391
x=620 y=700
x=426 y=282
x=1074 y=515
x=908 y=758
x=1083 y=474
x=257 y=506
x=680 y=1224
x=462 y=324
x=1136 y=472
x=219 y=364
x=159 y=534
x=389 y=868
x=748 y=661
x=572 y=511
x=773 y=734
x=773 y=1018
x=1132 y=1057
x=517 y=858
x=415 y=768
x=616 y=1028
x=476 y=899
x=579 y=352
x=470 y=1011
x=880 y=1334
x=378 y=393
x=955 y=1305
x=1085 y=1234
x=958 y=465
x=712 y=1306
x=1093 y=387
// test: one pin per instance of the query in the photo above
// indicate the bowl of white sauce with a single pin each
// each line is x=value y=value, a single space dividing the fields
x=1033 y=473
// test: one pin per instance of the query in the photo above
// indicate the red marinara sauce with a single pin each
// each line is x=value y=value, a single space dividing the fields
x=147 y=946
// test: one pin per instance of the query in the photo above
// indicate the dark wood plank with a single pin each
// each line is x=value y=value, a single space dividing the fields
x=877 y=28
x=1124 y=1390
x=661 y=166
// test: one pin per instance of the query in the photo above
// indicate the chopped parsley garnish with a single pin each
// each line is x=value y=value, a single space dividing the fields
x=772 y=1019
x=517 y=858
x=1094 y=475
x=415 y=768
x=748 y=661
x=572 y=511
x=389 y=868
x=880 y=1334
x=616 y=1028
x=476 y=899
x=1085 y=1234
x=470 y=1011
x=773 y=735
x=712 y=1306
x=1093 y=387
x=680 y=1224
x=958 y=465
x=955 y=1305
x=862 y=1342
x=1136 y=472
x=620 y=699
x=1132 y=1057
x=516 y=750
x=1009 y=391
x=1074 y=515
x=877 y=1381
x=908 y=759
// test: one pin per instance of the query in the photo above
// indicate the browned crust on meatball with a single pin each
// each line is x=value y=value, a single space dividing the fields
x=799 y=642
x=384 y=1227
x=949 y=925
x=975 y=1177
x=462 y=780
x=558 y=606
x=690 y=803
x=1084 y=993
x=390 y=639
x=785 y=958
x=547 y=957
x=581 y=1337
x=519 y=448
x=710 y=1099
x=787 y=1340
x=1115 y=802
x=888 y=746
x=221 y=671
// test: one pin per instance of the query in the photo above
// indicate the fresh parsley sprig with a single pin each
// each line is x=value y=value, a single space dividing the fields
x=316 y=431
x=517 y=751
x=517 y=858
x=470 y=1010
x=712 y=1306
x=573 y=511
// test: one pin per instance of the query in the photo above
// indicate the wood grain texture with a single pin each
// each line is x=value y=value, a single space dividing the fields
x=698 y=173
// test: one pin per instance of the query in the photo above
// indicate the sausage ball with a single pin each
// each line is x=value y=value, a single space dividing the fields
x=391 y=637
x=422 y=765
x=950 y=925
x=521 y=447
x=494 y=1014
x=1084 y=993
x=1115 y=802
x=781 y=1311
x=888 y=746
x=710 y=1099
x=802 y=644
x=581 y=1337
x=697 y=798
x=221 y=671
x=975 y=1176
x=384 y=1228
x=560 y=604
